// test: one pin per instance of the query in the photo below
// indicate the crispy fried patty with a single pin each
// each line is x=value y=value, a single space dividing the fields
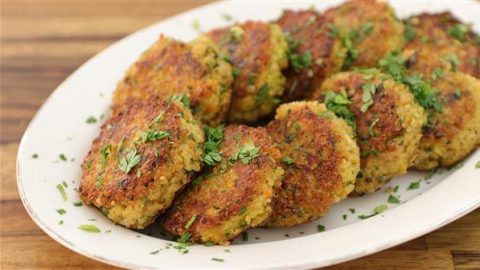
x=235 y=194
x=453 y=132
x=388 y=123
x=258 y=53
x=171 y=67
x=314 y=53
x=320 y=158
x=440 y=42
x=368 y=29
x=144 y=154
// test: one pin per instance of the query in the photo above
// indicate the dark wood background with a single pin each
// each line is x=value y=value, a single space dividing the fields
x=42 y=43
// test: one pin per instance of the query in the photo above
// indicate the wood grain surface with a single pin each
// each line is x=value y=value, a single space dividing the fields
x=42 y=43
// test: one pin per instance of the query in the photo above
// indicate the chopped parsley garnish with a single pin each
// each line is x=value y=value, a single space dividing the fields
x=152 y=135
x=158 y=119
x=236 y=33
x=369 y=90
x=212 y=144
x=61 y=189
x=62 y=157
x=182 y=98
x=371 y=130
x=458 y=31
x=311 y=20
x=184 y=238
x=227 y=17
x=91 y=120
x=262 y=94
x=60 y=222
x=352 y=210
x=217 y=260
x=155 y=252
x=300 y=61
x=77 y=204
x=377 y=210
x=344 y=217
x=244 y=236
x=477 y=165
x=105 y=151
x=393 y=199
x=338 y=104
x=320 y=228
x=453 y=60
x=208 y=244
x=414 y=185
x=393 y=64
x=437 y=73
x=130 y=160
x=35 y=155
x=196 y=25
x=288 y=160
x=89 y=228
x=190 y=222
x=246 y=153
x=61 y=211
x=64 y=184
x=430 y=174
x=410 y=32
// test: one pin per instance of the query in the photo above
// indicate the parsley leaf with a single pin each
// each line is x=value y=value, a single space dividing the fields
x=458 y=31
x=130 y=160
x=300 y=61
x=182 y=98
x=190 y=222
x=152 y=135
x=393 y=199
x=246 y=153
x=377 y=210
x=262 y=94
x=91 y=120
x=409 y=32
x=89 y=228
x=184 y=238
x=212 y=144
x=369 y=90
x=61 y=189
x=414 y=185
x=338 y=104
x=288 y=160
x=320 y=228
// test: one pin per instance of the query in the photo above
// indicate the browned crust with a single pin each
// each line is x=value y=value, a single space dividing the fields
x=310 y=31
x=227 y=189
x=309 y=184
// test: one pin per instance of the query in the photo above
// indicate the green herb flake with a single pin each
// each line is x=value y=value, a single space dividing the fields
x=62 y=157
x=183 y=98
x=208 y=244
x=60 y=222
x=61 y=211
x=130 y=160
x=453 y=60
x=320 y=228
x=35 y=156
x=414 y=185
x=89 y=228
x=153 y=135
x=393 y=199
x=155 y=252
x=227 y=17
x=158 y=119
x=477 y=165
x=196 y=25
x=344 y=217
x=184 y=238
x=437 y=73
x=369 y=90
x=338 y=104
x=217 y=260
x=77 y=204
x=91 y=120
x=263 y=94
x=190 y=222
x=246 y=153
x=61 y=189
x=288 y=160
x=458 y=31
x=352 y=210
x=377 y=210
x=371 y=130
x=410 y=32
x=211 y=146
x=244 y=236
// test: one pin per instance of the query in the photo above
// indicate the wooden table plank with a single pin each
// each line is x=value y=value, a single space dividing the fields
x=42 y=43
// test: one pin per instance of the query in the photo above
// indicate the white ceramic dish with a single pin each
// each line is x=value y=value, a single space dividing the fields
x=60 y=128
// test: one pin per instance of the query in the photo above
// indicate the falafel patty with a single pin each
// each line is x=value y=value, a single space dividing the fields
x=454 y=131
x=320 y=159
x=235 y=194
x=143 y=155
x=387 y=119
x=368 y=29
x=313 y=53
x=258 y=53
x=195 y=72
x=440 y=42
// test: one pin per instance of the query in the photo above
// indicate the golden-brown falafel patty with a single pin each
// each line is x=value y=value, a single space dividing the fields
x=235 y=194
x=313 y=52
x=258 y=53
x=194 y=70
x=439 y=42
x=368 y=29
x=387 y=118
x=320 y=159
x=454 y=131
x=143 y=155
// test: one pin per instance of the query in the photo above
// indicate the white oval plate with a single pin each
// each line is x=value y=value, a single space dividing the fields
x=60 y=128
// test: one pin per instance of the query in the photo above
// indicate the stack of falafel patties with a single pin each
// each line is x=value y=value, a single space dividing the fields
x=270 y=123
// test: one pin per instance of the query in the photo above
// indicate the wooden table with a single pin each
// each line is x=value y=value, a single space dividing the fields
x=42 y=43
